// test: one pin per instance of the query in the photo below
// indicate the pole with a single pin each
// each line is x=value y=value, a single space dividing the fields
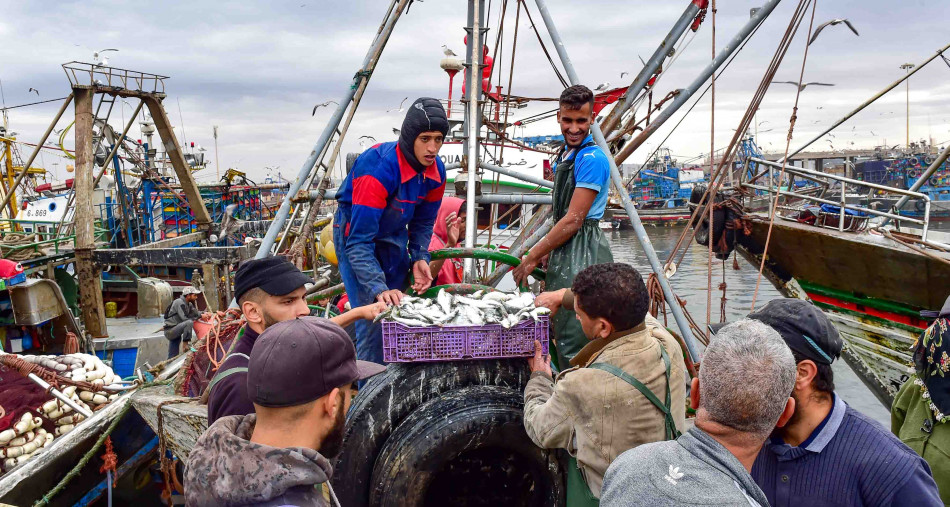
x=907 y=67
x=36 y=151
x=90 y=292
x=869 y=101
x=217 y=162
x=685 y=94
x=281 y=216
x=921 y=181
x=644 y=240
x=473 y=83
x=654 y=63
x=515 y=174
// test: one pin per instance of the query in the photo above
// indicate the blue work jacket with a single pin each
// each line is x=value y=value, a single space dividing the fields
x=385 y=215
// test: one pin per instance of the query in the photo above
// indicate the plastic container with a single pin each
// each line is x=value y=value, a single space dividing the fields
x=112 y=309
x=405 y=344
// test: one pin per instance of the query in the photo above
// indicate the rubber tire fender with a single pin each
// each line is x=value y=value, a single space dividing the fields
x=389 y=397
x=920 y=206
x=442 y=429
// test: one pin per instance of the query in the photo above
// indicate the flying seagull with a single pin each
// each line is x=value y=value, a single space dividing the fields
x=804 y=85
x=99 y=59
x=362 y=142
x=401 y=108
x=833 y=22
x=622 y=74
x=324 y=104
x=602 y=86
x=447 y=51
x=872 y=133
x=396 y=131
x=34 y=90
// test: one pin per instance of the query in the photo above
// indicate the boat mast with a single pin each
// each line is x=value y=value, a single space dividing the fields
x=470 y=151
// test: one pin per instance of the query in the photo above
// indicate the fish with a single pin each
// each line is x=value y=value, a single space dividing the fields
x=476 y=309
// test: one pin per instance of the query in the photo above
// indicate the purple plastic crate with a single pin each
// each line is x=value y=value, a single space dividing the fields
x=405 y=344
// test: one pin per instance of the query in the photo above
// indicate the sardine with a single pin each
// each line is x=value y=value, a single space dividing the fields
x=410 y=322
x=384 y=314
x=445 y=301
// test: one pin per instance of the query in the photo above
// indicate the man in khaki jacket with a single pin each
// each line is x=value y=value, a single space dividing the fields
x=626 y=387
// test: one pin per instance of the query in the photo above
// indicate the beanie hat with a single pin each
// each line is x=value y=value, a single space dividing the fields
x=425 y=115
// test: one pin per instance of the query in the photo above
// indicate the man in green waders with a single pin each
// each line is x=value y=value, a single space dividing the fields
x=581 y=184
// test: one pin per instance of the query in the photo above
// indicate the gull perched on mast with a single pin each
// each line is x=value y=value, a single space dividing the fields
x=447 y=52
x=100 y=59
x=833 y=22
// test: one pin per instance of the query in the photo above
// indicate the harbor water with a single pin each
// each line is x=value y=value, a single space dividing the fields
x=690 y=283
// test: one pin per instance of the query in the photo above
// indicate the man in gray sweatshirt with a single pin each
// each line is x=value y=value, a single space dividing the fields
x=742 y=393
x=179 y=319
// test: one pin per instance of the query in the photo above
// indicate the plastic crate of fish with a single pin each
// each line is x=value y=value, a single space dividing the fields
x=408 y=344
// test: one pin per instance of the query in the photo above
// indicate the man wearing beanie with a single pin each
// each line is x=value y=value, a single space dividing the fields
x=299 y=377
x=268 y=291
x=383 y=224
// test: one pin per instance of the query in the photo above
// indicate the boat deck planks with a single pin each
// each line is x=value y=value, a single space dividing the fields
x=183 y=422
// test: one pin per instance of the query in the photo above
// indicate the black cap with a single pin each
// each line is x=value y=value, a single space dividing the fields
x=424 y=115
x=274 y=275
x=802 y=325
x=297 y=361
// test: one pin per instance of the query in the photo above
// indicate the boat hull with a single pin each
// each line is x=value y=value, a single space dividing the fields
x=870 y=287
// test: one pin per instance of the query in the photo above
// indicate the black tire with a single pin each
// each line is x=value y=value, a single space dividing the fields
x=388 y=398
x=468 y=447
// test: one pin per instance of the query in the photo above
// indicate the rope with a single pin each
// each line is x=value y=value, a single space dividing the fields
x=109 y=461
x=72 y=343
x=781 y=175
x=85 y=459
x=712 y=149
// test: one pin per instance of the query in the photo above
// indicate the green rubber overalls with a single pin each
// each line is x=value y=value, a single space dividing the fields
x=586 y=248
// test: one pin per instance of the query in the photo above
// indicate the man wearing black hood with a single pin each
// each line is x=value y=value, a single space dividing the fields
x=387 y=207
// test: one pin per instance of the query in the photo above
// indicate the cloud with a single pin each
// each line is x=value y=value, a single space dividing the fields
x=257 y=69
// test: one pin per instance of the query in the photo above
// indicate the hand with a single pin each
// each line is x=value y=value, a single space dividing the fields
x=422 y=276
x=453 y=226
x=390 y=297
x=539 y=362
x=524 y=269
x=550 y=300
x=205 y=316
x=370 y=311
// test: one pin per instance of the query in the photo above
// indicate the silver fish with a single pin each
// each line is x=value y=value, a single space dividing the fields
x=445 y=300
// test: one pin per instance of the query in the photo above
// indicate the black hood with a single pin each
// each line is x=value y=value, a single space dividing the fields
x=425 y=114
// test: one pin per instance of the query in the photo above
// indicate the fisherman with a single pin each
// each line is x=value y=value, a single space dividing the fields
x=299 y=376
x=180 y=317
x=581 y=185
x=919 y=416
x=383 y=224
x=268 y=291
x=740 y=396
x=449 y=227
x=828 y=453
x=610 y=400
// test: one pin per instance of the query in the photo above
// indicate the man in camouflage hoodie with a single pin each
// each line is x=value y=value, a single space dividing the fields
x=299 y=377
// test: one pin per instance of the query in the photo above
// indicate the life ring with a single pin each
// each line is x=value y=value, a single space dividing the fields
x=928 y=160
x=913 y=174
x=920 y=206
x=934 y=181
x=914 y=161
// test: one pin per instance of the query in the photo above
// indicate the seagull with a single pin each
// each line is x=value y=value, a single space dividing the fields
x=401 y=108
x=325 y=104
x=804 y=85
x=819 y=107
x=872 y=133
x=447 y=52
x=57 y=131
x=101 y=59
x=363 y=143
x=833 y=22
x=622 y=74
x=396 y=131
x=602 y=86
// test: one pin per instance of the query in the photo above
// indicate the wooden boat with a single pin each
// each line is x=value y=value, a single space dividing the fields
x=871 y=286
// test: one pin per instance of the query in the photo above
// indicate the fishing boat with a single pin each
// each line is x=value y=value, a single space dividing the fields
x=661 y=191
x=875 y=283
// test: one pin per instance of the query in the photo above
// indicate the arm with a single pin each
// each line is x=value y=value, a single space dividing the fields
x=547 y=418
x=562 y=231
x=370 y=198
x=367 y=312
x=452 y=228
x=919 y=490
x=555 y=300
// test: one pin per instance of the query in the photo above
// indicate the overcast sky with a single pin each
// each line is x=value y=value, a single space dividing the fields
x=256 y=69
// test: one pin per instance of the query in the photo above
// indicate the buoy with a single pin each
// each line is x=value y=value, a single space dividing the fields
x=329 y=253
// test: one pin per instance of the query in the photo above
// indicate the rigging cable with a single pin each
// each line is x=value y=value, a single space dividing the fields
x=781 y=176
x=543 y=47
x=712 y=149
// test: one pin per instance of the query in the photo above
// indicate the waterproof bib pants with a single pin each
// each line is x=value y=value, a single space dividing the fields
x=586 y=248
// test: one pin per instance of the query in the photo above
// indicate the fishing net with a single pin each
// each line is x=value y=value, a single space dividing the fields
x=19 y=395
x=207 y=354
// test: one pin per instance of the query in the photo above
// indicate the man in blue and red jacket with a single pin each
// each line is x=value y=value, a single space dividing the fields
x=383 y=224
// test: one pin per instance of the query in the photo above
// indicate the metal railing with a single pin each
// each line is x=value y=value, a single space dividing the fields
x=826 y=180
x=90 y=75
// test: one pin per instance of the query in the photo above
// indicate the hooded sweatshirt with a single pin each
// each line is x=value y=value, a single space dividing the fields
x=440 y=236
x=425 y=115
x=225 y=468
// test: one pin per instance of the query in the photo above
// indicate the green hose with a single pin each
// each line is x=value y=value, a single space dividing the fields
x=485 y=254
